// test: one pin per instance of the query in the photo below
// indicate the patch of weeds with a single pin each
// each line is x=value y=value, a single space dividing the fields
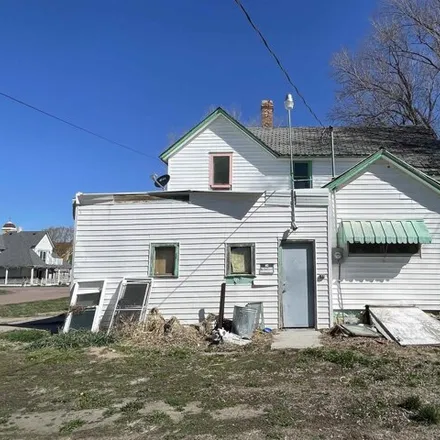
x=157 y=418
x=4 y=420
x=429 y=414
x=24 y=335
x=358 y=382
x=88 y=400
x=50 y=355
x=176 y=401
x=414 y=380
x=179 y=352
x=281 y=416
x=4 y=292
x=132 y=407
x=380 y=377
x=344 y=358
x=69 y=427
x=411 y=403
x=252 y=384
x=109 y=412
x=74 y=339
x=275 y=435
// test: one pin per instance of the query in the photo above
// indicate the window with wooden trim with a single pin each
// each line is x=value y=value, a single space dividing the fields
x=220 y=171
x=302 y=175
x=164 y=260
x=383 y=249
x=240 y=259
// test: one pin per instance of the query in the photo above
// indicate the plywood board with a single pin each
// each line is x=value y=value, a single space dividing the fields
x=406 y=325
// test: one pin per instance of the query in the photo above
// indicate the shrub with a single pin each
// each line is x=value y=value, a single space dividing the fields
x=74 y=339
x=429 y=414
x=411 y=403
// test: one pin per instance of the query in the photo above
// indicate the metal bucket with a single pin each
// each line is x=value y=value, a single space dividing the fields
x=243 y=321
x=259 y=318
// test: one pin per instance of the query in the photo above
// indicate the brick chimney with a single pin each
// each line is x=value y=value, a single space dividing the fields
x=267 y=113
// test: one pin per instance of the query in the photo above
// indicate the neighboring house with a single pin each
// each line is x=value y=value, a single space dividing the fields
x=369 y=236
x=28 y=258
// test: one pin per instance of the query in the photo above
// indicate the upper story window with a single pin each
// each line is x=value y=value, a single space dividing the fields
x=220 y=171
x=302 y=174
x=43 y=255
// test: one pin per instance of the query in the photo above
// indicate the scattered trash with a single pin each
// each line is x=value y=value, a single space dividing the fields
x=267 y=330
x=405 y=325
x=221 y=335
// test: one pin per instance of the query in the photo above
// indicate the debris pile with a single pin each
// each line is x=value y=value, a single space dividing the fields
x=157 y=331
x=406 y=325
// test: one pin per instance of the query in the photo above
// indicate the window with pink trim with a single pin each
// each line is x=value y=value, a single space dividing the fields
x=220 y=171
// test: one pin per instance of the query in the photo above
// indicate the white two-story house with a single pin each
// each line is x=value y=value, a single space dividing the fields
x=366 y=231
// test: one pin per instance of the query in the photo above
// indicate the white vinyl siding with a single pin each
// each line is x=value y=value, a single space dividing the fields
x=253 y=168
x=113 y=241
x=386 y=193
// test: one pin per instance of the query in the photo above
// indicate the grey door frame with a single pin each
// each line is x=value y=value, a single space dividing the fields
x=280 y=273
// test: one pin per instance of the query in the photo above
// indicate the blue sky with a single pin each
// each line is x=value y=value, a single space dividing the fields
x=142 y=72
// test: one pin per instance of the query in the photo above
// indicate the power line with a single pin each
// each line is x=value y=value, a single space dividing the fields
x=85 y=130
x=286 y=74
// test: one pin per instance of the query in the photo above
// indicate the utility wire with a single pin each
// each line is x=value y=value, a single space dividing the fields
x=85 y=130
x=286 y=74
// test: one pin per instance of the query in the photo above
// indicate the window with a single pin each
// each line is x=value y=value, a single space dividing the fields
x=240 y=260
x=376 y=248
x=164 y=260
x=221 y=171
x=302 y=174
x=43 y=255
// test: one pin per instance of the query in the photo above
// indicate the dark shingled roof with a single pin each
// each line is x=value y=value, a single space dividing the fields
x=415 y=145
x=18 y=249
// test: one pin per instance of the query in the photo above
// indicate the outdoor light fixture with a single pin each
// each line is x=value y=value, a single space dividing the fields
x=288 y=103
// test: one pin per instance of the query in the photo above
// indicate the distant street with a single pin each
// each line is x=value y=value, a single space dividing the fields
x=27 y=294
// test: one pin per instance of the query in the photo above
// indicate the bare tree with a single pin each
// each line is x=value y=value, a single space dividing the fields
x=394 y=78
x=60 y=234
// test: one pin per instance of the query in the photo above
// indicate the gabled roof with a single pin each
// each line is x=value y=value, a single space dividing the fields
x=416 y=145
x=18 y=249
x=359 y=168
x=203 y=124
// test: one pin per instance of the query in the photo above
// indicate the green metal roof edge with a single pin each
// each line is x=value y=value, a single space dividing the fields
x=348 y=175
x=204 y=123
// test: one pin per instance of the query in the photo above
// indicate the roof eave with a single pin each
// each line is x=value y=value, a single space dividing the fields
x=359 y=168
x=202 y=125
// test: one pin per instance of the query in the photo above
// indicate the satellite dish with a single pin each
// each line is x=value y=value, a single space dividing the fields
x=161 y=181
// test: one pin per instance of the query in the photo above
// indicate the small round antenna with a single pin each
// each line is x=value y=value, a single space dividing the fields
x=161 y=181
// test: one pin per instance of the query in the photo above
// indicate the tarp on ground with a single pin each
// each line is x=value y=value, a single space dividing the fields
x=406 y=325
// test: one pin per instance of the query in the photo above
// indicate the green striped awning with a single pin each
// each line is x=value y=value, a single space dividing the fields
x=383 y=231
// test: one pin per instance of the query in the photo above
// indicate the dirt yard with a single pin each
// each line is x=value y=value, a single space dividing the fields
x=349 y=389
x=16 y=295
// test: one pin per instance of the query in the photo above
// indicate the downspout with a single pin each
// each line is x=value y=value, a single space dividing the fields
x=333 y=152
x=335 y=230
x=293 y=225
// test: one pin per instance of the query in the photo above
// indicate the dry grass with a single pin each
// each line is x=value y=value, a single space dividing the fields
x=158 y=332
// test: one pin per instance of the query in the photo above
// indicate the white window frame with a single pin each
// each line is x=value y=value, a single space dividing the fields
x=74 y=298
